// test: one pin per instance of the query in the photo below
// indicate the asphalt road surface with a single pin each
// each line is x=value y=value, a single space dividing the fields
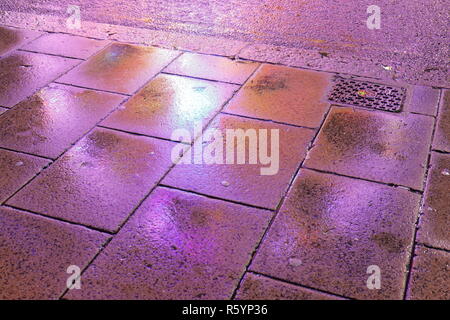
x=410 y=29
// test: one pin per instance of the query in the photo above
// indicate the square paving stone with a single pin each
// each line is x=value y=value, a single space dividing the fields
x=423 y=100
x=23 y=73
x=331 y=229
x=37 y=252
x=434 y=228
x=121 y=68
x=11 y=39
x=430 y=278
x=170 y=102
x=212 y=67
x=66 y=45
x=16 y=170
x=99 y=181
x=442 y=134
x=257 y=287
x=372 y=145
x=48 y=122
x=176 y=246
x=283 y=94
x=245 y=182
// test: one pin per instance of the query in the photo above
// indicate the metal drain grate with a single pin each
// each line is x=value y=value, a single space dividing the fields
x=367 y=94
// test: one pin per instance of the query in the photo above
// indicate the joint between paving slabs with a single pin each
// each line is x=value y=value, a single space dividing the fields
x=388 y=184
x=74 y=143
x=280 y=204
x=407 y=279
x=300 y=285
x=162 y=185
x=91 y=228
x=267 y=120
x=158 y=183
x=310 y=146
x=102 y=247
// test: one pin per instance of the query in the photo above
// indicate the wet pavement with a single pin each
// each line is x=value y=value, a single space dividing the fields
x=31 y=242
x=12 y=39
x=375 y=146
x=120 y=68
x=176 y=235
x=436 y=219
x=66 y=45
x=331 y=228
x=431 y=267
x=283 y=94
x=86 y=185
x=93 y=176
x=243 y=182
x=52 y=120
x=23 y=73
x=442 y=137
x=169 y=102
x=258 y=287
x=212 y=68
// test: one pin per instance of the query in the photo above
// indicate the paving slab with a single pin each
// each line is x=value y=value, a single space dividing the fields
x=283 y=94
x=424 y=100
x=176 y=246
x=258 y=287
x=16 y=170
x=23 y=73
x=121 y=68
x=54 y=118
x=11 y=39
x=171 y=102
x=244 y=182
x=36 y=253
x=442 y=134
x=331 y=229
x=99 y=181
x=212 y=67
x=380 y=146
x=430 y=278
x=66 y=45
x=435 y=222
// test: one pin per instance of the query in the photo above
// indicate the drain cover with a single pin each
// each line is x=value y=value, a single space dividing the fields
x=367 y=94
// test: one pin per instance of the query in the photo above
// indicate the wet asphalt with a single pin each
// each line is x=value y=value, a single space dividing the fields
x=409 y=29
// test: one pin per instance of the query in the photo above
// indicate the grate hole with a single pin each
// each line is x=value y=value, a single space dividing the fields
x=367 y=94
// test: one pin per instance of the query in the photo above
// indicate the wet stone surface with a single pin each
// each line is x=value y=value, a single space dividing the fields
x=176 y=246
x=50 y=121
x=99 y=181
x=442 y=134
x=243 y=182
x=423 y=100
x=283 y=94
x=212 y=68
x=257 y=287
x=121 y=68
x=66 y=45
x=23 y=73
x=168 y=103
x=337 y=227
x=435 y=221
x=16 y=170
x=11 y=38
x=430 y=278
x=378 y=146
x=37 y=251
